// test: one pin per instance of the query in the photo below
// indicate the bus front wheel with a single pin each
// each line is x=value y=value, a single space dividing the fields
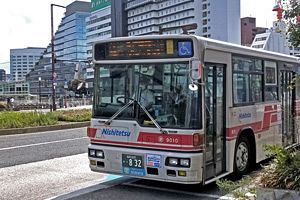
x=242 y=156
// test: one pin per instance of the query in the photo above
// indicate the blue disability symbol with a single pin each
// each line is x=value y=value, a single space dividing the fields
x=185 y=48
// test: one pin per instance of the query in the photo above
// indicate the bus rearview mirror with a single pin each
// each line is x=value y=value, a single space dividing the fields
x=196 y=70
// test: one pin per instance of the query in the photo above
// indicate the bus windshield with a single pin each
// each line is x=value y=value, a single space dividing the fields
x=161 y=88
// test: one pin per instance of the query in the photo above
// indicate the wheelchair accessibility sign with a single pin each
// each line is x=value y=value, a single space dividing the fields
x=185 y=48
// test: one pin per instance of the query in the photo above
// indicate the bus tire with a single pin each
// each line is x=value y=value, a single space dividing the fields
x=242 y=156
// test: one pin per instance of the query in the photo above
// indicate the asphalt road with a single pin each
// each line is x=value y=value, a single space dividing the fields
x=54 y=165
x=48 y=179
x=27 y=148
x=135 y=189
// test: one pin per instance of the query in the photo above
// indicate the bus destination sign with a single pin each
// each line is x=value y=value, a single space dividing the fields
x=144 y=49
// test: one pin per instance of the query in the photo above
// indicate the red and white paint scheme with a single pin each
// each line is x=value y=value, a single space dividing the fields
x=187 y=109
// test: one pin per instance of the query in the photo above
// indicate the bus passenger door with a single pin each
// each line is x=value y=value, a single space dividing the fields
x=215 y=119
x=288 y=108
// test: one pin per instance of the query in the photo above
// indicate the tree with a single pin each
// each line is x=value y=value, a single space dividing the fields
x=292 y=18
x=77 y=86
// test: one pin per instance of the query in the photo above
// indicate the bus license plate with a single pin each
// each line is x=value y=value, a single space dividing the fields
x=133 y=165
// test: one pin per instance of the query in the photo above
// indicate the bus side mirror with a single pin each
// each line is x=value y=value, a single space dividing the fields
x=196 y=70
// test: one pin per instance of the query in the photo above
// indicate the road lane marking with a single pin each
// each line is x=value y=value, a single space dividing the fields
x=172 y=191
x=43 y=143
x=43 y=132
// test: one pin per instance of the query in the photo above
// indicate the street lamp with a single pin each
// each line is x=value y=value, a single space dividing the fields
x=52 y=57
x=40 y=79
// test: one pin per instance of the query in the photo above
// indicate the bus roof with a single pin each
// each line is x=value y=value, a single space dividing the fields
x=244 y=50
x=208 y=43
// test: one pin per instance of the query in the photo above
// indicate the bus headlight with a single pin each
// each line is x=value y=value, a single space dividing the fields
x=92 y=152
x=173 y=161
x=185 y=162
x=99 y=154
x=178 y=162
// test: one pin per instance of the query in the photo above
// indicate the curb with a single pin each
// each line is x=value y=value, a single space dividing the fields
x=15 y=131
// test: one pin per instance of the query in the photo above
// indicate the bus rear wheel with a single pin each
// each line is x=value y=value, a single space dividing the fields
x=242 y=156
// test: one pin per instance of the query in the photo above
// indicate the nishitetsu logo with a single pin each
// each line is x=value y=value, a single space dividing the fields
x=115 y=132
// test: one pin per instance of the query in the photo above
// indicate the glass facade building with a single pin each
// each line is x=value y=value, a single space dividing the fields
x=23 y=60
x=70 y=38
x=69 y=47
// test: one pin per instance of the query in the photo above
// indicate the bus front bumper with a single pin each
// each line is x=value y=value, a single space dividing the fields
x=178 y=167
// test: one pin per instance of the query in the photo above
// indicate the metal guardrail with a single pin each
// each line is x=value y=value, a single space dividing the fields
x=45 y=104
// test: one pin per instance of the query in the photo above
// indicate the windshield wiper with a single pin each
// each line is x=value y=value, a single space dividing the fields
x=118 y=112
x=163 y=131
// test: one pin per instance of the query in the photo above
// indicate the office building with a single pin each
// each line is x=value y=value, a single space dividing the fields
x=23 y=60
x=70 y=38
x=98 y=27
x=2 y=75
x=249 y=30
x=274 y=39
x=69 y=47
x=214 y=19
x=15 y=89
x=98 y=24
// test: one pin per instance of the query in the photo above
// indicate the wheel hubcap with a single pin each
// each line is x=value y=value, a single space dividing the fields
x=242 y=156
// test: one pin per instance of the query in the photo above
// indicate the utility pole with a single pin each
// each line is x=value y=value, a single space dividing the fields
x=40 y=79
x=53 y=58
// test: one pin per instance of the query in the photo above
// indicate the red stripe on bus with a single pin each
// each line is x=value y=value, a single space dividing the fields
x=147 y=145
x=269 y=108
x=175 y=139
x=270 y=116
x=274 y=118
x=233 y=131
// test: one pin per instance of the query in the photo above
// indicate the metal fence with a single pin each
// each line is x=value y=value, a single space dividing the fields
x=46 y=103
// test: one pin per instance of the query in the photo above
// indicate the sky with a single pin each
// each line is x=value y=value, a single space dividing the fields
x=28 y=24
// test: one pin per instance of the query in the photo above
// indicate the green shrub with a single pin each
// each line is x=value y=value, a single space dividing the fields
x=74 y=115
x=26 y=119
x=284 y=172
x=238 y=189
x=33 y=119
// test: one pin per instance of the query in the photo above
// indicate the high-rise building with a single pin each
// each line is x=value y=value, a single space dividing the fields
x=23 y=60
x=215 y=19
x=2 y=75
x=98 y=27
x=249 y=30
x=70 y=38
x=98 y=24
x=70 y=48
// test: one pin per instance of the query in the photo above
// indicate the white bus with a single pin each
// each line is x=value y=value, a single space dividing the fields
x=188 y=109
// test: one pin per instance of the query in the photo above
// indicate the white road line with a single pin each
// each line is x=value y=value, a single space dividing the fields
x=41 y=132
x=173 y=191
x=43 y=143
